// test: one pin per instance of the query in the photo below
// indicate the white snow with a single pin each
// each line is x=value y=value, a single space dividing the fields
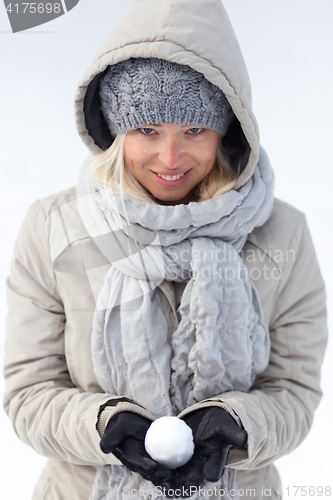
x=169 y=441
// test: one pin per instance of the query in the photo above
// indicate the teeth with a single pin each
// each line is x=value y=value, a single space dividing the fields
x=169 y=178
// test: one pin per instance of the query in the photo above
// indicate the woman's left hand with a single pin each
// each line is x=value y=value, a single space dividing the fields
x=215 y=431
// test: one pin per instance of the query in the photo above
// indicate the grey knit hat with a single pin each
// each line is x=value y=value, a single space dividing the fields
x=140 y=91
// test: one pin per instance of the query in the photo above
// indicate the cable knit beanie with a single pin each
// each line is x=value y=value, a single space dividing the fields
x=140 y=91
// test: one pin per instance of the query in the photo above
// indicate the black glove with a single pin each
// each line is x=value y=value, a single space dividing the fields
x=215 y=431
x=124 y=437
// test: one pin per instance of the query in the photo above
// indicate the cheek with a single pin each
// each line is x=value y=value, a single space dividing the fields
x=135 y=153
x=129 y=151
x=207 y=154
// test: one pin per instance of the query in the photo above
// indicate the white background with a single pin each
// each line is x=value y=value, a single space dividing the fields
x=287 y=45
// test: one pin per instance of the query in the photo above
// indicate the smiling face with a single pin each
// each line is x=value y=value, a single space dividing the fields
x=170 y=160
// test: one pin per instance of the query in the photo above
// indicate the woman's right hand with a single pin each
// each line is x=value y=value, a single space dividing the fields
x=124 y=437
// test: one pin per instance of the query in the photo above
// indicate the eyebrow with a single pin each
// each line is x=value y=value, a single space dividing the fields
x=159 y=125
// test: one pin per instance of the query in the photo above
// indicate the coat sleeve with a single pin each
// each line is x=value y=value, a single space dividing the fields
x=278 y=412
x=47 y=411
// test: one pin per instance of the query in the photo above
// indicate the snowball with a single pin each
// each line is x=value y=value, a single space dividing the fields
x=169 y=441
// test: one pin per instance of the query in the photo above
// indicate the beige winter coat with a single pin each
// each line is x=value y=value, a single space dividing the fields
x=52 y=396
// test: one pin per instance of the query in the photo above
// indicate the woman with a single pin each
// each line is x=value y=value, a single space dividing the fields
x=138 y=295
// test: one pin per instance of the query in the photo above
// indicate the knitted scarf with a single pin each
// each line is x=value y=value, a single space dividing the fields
x=221 y=342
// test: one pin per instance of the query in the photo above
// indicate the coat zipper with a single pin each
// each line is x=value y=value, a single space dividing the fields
x=46 y=489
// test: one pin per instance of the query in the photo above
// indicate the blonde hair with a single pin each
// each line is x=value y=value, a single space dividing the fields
x=109 y=170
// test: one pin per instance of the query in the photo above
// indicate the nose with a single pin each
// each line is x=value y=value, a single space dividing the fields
x=171 y=154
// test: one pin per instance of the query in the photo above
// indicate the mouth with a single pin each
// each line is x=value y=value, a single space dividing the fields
x=171 y=180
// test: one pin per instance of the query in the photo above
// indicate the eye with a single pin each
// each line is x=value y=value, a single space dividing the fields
x=147 y=131
x=195 y=130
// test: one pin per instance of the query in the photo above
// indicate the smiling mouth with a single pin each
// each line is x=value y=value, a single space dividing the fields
x=171 y=177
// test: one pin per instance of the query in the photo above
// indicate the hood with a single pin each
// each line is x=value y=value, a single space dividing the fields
x=193 y=32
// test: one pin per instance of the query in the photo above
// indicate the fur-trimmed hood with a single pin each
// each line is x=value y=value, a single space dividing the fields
x=193 y=32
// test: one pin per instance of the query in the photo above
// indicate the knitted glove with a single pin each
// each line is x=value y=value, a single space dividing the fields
x=124 y=437
x=215 y=431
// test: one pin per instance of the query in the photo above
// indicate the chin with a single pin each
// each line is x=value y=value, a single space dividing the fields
x=164 y=200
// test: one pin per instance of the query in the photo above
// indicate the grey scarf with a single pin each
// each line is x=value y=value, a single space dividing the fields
x=221 y=342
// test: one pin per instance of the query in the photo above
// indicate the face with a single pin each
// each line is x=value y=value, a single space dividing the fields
x=170 y=160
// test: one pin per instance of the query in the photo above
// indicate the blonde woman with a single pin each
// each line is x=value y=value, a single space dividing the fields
x=152 y=288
